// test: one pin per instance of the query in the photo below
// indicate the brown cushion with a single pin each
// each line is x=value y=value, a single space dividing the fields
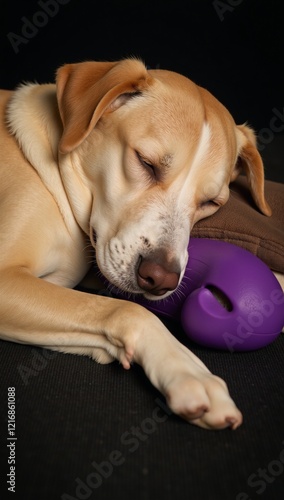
x=239 y=222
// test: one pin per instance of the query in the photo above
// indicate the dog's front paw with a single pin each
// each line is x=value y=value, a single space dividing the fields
x=202 y=399
x=190 y=388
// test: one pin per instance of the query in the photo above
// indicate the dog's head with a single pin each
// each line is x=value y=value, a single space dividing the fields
x=144 y=155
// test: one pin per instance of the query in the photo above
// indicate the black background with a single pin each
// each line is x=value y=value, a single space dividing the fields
x=234 y=48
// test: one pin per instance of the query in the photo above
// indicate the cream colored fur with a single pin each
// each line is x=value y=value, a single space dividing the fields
x=121 y=161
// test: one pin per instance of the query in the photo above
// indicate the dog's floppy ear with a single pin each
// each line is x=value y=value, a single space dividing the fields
x=87 y=90
x=249 y=161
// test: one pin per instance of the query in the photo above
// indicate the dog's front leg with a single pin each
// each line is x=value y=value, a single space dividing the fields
x=36 y=312
x=191 y=390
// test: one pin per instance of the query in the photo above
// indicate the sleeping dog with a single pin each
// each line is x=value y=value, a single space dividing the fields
x=125 y=161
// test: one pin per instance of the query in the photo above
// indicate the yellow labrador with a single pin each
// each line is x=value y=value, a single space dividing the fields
x=127 y=159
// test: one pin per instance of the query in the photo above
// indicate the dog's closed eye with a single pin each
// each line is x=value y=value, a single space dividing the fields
x=208 y=203
x=150 y=168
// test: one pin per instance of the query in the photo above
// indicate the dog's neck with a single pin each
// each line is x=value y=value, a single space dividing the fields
x=33 y=118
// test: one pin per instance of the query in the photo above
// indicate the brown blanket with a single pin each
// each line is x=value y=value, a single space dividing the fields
x=239 y=222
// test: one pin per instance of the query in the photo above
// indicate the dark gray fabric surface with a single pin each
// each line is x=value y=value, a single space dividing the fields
x=72 y=412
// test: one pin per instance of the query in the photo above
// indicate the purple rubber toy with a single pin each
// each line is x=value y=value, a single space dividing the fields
x=228 y=298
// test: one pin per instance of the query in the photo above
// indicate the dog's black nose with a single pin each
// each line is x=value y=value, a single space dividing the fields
x=157 y=278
